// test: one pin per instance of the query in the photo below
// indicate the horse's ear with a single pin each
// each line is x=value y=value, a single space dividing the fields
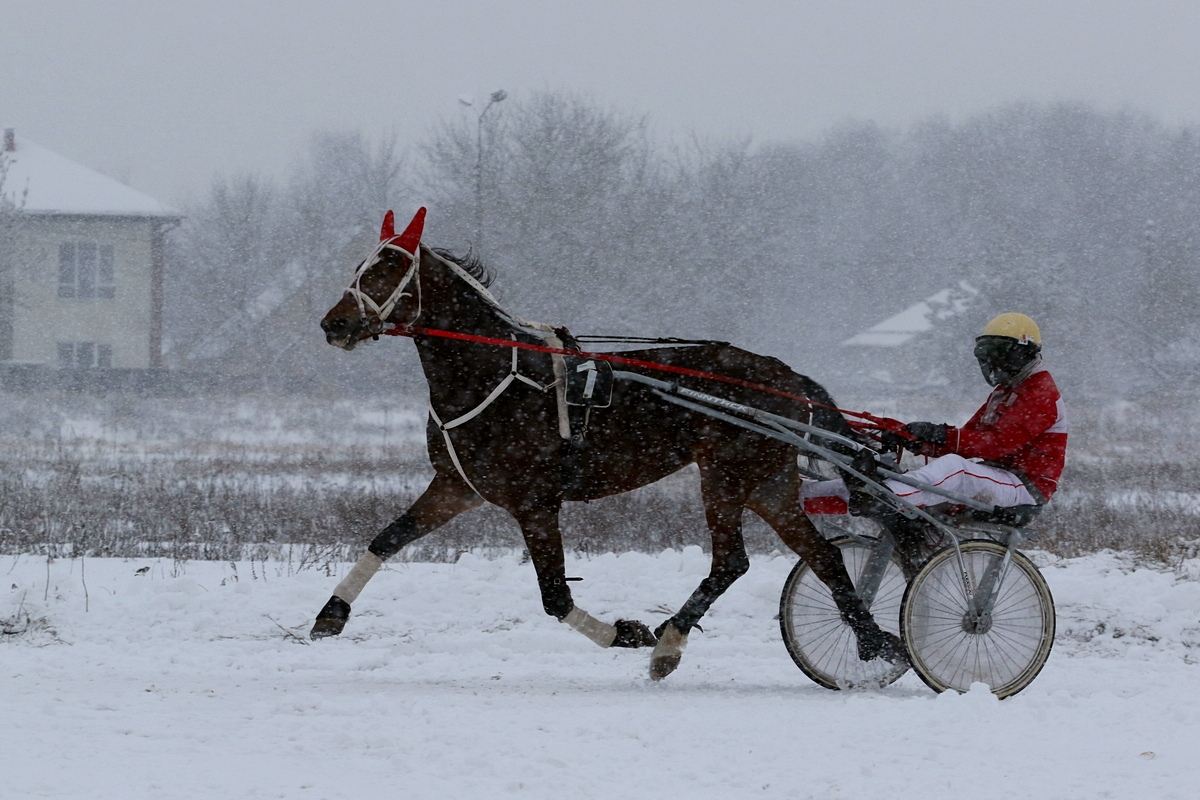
x=389 y=227
x=411 y=238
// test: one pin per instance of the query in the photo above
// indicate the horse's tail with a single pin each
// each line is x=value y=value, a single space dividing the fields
x=825 y=414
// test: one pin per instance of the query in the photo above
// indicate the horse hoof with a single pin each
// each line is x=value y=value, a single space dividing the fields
x=331 y=620
x=667 y=653
x=882 y=644
x=631 y=633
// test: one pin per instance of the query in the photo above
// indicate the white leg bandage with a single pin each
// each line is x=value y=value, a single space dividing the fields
x=599 y=632
x=352 y=585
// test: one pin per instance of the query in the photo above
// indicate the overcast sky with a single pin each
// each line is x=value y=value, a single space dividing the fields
x=166 y=94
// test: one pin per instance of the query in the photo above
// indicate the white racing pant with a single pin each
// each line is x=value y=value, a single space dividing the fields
x=955 y=474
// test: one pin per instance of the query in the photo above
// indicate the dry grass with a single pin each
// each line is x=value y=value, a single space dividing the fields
x=22 y=626
x=217 y=510
x=176 y=480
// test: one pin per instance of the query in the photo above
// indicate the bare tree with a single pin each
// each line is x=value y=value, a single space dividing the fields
x=593 y=223
x=258 y=263
x=226 y=254
x=569 y=191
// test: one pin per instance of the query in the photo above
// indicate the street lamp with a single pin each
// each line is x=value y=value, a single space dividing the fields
x=494 y=98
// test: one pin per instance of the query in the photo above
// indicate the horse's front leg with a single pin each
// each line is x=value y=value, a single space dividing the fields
x=446 y=497
x=543 y=538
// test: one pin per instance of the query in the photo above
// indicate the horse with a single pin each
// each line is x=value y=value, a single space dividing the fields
x=497 y=433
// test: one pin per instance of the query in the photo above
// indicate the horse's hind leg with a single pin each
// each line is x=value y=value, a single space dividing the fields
x=777 y=501
x=724 y=501
x=446 y=497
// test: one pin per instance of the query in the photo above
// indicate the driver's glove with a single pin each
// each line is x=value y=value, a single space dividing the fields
x=926 y=432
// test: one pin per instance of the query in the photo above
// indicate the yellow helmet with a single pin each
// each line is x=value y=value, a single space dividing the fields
x=1014 y=326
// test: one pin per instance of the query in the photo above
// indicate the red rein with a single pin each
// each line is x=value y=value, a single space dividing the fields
x=870 y=421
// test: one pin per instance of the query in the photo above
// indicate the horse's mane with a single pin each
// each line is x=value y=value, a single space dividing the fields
x=471 y=264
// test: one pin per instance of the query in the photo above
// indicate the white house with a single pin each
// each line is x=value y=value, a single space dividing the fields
x=892 y=351
x=84 y=286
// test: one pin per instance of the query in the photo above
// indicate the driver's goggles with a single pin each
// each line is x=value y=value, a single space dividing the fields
x=992 y=349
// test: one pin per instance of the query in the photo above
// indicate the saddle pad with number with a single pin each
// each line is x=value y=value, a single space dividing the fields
x=589 y=382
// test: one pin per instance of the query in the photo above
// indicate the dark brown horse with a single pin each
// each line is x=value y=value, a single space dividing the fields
x=498 y=433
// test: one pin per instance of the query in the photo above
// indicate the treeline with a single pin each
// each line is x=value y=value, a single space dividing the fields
x=1088 y=221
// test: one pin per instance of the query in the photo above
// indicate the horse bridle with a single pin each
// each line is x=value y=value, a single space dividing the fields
x=375 y=320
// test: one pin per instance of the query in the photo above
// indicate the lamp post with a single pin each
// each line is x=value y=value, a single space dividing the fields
x=495 y=97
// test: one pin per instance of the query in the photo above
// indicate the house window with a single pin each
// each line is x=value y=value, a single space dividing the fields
x=85 y=270
x=84 y=355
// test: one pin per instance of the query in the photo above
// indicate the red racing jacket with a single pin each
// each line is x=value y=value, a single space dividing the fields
x=1022 y=429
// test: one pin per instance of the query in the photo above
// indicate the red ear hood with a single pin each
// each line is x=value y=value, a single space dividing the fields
x=388 y=231
x=410 y=240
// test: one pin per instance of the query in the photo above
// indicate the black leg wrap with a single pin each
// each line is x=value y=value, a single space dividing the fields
x=332 y=619
x=393 y=537
x=706 y=594
x=682 y=627
x=556 y=597
x=873 y=641
x=864 y=463
x=631 y=633
x=913 y=541
x=881 y=644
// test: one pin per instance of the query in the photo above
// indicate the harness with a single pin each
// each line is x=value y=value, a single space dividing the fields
x=444 y=427
x=567 y=426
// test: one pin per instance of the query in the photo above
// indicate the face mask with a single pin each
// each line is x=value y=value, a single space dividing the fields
x=1001 y=359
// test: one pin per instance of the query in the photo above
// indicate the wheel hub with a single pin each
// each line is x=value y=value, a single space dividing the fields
x=976 y=624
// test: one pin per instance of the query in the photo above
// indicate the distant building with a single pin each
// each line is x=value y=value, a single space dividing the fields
x=896 y=351
x=84 y=284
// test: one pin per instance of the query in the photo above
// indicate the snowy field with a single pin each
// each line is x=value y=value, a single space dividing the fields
x=159 y=679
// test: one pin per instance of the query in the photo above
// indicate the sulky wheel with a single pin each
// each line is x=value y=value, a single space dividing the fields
x=952 y=648
x=816 y=635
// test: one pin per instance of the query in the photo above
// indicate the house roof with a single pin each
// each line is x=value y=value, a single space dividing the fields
x=233 y=331
x=53 y=184
x=918 y=318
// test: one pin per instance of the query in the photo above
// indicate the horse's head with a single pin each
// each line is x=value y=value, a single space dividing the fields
x=388 y=275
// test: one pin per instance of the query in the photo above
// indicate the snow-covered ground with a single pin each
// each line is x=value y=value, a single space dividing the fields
x=195 y=681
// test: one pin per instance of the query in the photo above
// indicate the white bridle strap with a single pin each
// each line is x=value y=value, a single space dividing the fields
x=384 y=310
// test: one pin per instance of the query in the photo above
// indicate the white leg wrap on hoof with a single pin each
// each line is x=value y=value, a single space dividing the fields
x=352 y=585
x=599 y=632
x=667 y=653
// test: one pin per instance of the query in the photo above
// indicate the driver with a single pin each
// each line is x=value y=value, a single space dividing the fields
x=1010 y=453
